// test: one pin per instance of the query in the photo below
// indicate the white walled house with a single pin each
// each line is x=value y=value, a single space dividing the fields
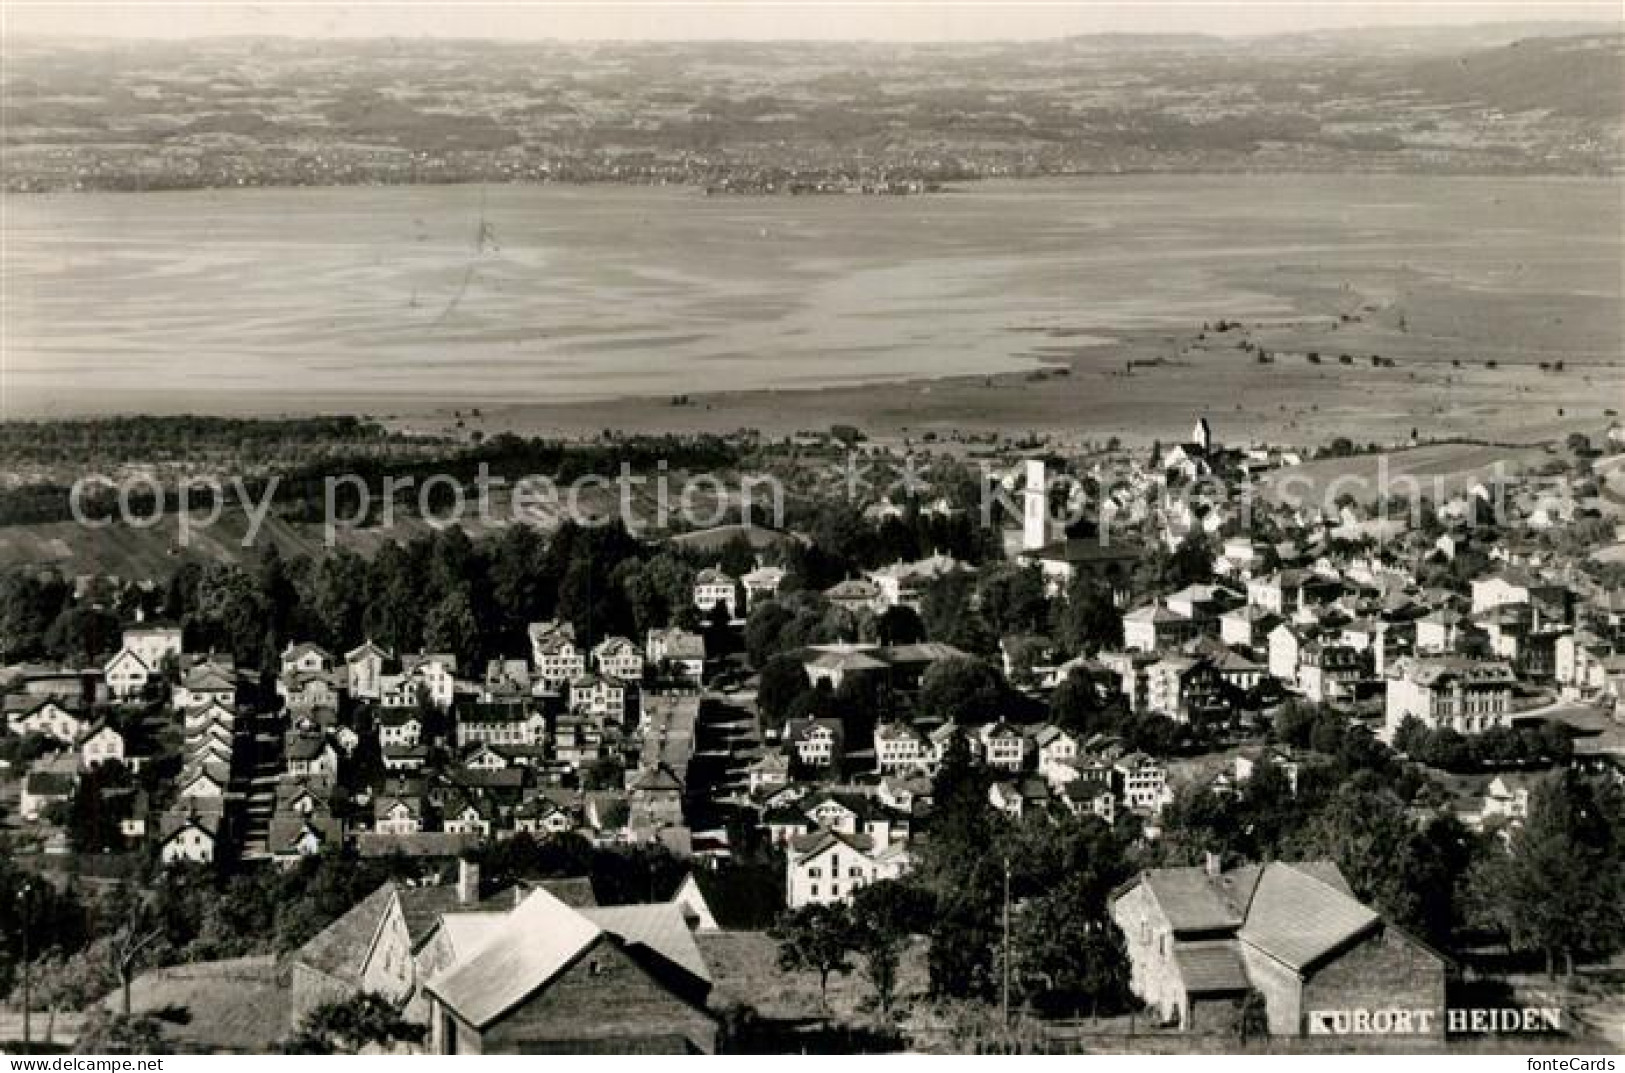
x=1468 y=696
x=554 y=654
x=826 y=868
x=619 y=658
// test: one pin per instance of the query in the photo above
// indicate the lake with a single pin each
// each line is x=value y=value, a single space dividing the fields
x=358 y=299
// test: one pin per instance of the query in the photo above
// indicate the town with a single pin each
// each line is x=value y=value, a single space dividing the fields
x=1147 y=759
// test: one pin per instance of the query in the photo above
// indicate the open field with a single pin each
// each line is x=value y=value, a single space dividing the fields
x=588 y=308
x=744 y=969
x=1437 y=471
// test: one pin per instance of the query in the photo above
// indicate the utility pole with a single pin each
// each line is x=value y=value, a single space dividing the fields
x=27 y=1025
x=1006 y=959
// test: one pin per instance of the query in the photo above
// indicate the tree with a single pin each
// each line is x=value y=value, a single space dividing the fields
x=1088 y=620
x=782 y=681
x=884 y=914
x=899 y=625
x=1076 y=705
x=961 y=691
x=1560 y=887
x=450 y=626
x=1011 y=599
x=1067 y=955
x=818 y=939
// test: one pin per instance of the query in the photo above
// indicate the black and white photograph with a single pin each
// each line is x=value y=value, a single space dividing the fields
x=812 y=527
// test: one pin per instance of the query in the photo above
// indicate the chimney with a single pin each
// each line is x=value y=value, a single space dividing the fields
x=468 y=882
x=1212 y=863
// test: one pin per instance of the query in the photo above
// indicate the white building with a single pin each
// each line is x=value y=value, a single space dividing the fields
x=1468 y=696
x=825 y=867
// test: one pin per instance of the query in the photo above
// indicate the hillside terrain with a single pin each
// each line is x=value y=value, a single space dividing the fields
x=803 y=116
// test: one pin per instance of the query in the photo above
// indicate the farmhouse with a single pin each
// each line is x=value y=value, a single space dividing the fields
x=1199 y=939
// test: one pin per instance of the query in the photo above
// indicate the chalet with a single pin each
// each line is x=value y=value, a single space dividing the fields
x=1248 y=626
x=468 y=814
x=554 y=654
x=1327 y=673
x=619 y=658
x=835 y=663
x=303 y=797
x=904 y=584
x=305 y=658
x=45 y=716
x=1003 y=746
x=1154 y=627
x=293 y=836
x=155 y=644
x=1286 y=645
x=817 y=743
x=188 y=837
x=1516 y=586
x=127 y=674
x=365 y=667
x=1088 y=795
x=541 y=815
x=770 y=769
x=434 y=674
x=1186 y=689
x=828 y=867
x=1280 y=593
x=506 y=680
x=306 y=690
x=404 y=758
x=1105 y=562
x=1200 y=939
x=1017 y=797
x=1142 y=782
x=600 y=695
x=310 y=754
x=855 y=594
x=99 y=744
x=398 y=810
x=1132 y=673
x=212 y=680
x=682 y=651
x=656 y=797
x=1057 y=752
x=900 y=748
x=1506 y=800
x=399 y=726
x=713 y=587
x=203 y=779
x=762 y=583
x=1250 y=760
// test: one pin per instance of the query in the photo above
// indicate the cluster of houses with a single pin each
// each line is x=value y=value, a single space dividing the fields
x=391 y=753
x=413 y=753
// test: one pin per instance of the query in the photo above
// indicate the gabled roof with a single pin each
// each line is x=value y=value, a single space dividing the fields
x=659 y=928
x=339 y=950
x=1298 y=918
x=1211 y=967
x=542 y=937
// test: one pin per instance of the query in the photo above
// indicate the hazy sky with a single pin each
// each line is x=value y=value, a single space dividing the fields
x=763 y=19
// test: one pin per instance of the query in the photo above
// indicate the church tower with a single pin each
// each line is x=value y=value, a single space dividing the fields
x=1202 y=435
x=1035 y=507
